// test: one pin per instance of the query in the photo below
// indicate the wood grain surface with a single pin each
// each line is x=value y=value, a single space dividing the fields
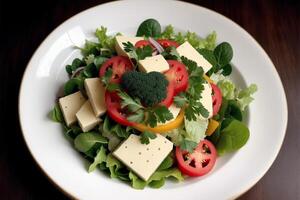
x=25 y=24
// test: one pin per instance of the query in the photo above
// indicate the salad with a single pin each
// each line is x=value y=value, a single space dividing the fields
x=153 y=106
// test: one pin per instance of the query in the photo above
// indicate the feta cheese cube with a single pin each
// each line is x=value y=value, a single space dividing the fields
x=206 y=100
x=119 y=43
x=86 y=117
x=188 y=51
x=69 y=106
x=141 y=158
x=96 y=94
x=154 y=63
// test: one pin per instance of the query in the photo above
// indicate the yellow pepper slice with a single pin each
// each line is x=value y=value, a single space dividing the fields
x=162 y=128
x=207 y=78
x=212 y=126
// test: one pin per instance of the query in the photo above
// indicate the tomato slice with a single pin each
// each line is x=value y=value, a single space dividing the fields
x=216 y=98
x=163 y=42
x=167 y=43
x=198 y=163
x=177 y=74
x=119 y=65
x=114 y=109
x=170 y=94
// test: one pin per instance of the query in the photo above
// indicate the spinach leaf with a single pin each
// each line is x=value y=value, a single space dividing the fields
x=73 y=131
x=233 y=137
x=85 y=141
x=234 y=110
x=100 y=158
x=226 y=70
x=73 y=85
x=208 y=55
x=223 y=53
x=75 y=64
x=56 y=114
x=149 y=28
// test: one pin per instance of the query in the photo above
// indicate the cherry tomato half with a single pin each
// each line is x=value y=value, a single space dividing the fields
x=216 y=98
x=119 y=65
x=198 y=163
x=163 y=42
x=177 y=74
x=114 y=109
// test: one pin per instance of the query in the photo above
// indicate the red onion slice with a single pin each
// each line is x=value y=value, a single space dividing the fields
x=77 y=71
x=159 y=48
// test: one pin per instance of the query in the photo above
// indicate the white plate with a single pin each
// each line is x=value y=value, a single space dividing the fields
x=45 y=75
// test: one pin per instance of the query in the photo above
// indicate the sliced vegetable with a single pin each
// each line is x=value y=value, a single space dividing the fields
x=177 y=74
x=199 y=162
x=212 y=126
x=217 y=98
x=162 y=128
x=119 y=65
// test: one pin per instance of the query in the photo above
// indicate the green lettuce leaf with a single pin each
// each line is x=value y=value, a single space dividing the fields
x=195 y=130
x=100 y=158
x=244 y=97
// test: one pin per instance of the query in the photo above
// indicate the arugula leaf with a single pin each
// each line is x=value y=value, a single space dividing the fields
x=233 y=137
x=146 y=136
x=73 y=85
x=149 y=28
x=100 y=158
x=56 y=114
x=85 y=141
x=137 y=53
x=188 y=145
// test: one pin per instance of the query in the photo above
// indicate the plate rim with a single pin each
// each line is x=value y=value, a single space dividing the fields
x=250 y=184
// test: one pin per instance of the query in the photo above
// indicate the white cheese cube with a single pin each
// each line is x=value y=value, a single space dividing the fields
x=86 y=117
x=206 y=100
x=188 y=51
x=175 y=111
x=119 y=43
x=141 y=158
x=69 y=106
x=96 y=94
x=154 y=63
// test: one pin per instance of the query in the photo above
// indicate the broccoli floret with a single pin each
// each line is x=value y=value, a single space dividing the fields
x=150 y=88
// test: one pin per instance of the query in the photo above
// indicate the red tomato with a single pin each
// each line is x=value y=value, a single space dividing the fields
x=216 y=98
x=119 y=65
x=177 y=74
x=142 y=43
x=170 y=94
x=163 y=42
x=198 y=163
x=167 y=43
x=114 y=109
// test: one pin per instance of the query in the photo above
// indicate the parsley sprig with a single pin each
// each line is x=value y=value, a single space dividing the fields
x=146 y=136
x=191 y=98
x=138 y=113
x=137 y=53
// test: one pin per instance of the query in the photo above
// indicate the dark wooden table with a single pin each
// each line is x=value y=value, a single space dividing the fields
x=24 y=25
